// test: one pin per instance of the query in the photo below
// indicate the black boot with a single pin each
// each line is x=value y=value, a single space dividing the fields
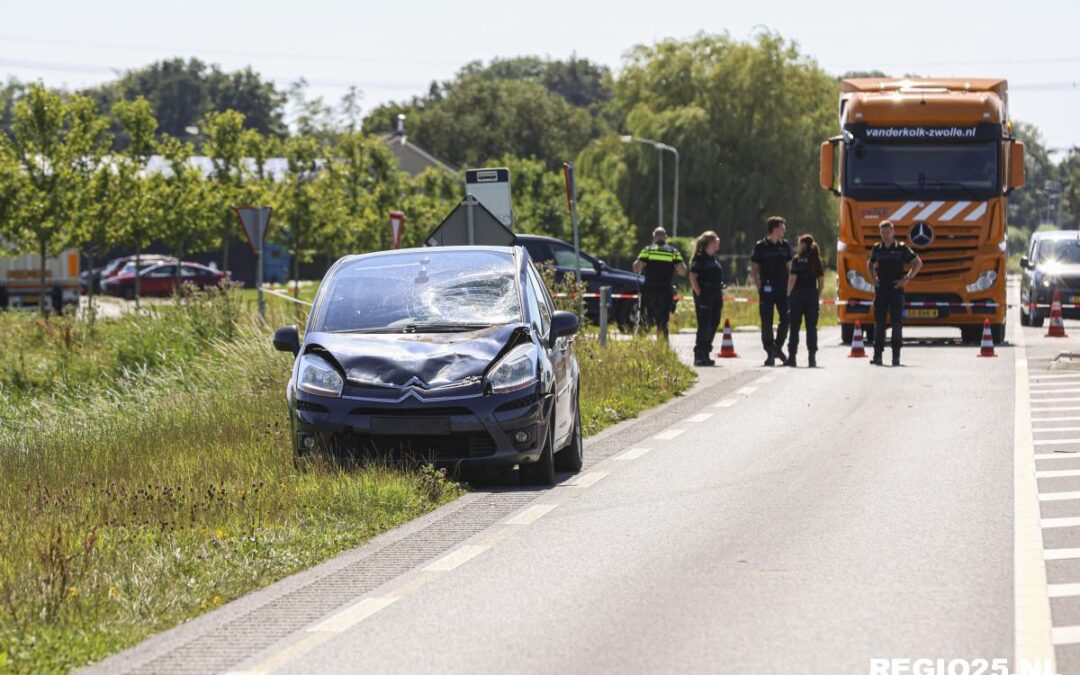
x=790 y=360
x=813 y=359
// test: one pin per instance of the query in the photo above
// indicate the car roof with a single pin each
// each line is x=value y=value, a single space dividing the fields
x=539 y=237
x=1057 y=234
x=438 y=250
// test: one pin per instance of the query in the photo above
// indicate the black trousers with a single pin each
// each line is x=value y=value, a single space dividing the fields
x=804 y=304
x=889 y=302
x=657 y=303
x=708 y=306
x=777 y=301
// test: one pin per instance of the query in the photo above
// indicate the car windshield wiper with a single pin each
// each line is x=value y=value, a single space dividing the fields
x=444 y=327
x=382 y=329
x=950 y=184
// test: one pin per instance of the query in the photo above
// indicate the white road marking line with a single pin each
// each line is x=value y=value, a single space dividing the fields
x=728 y=402
x=746 y=391
x=765 y=379
x=1067 y=399
x=1057 y=455
x=1057 y=441
x=457 y=557
x=1031 y=620
x=1055 y=523
x=632 y=453
x=669 y=434
x=1049 y=430
x=1038 y=378
x=531 y=514
x=1051 y=392
x=587 y=479
x=1066 y=635
x=293 y=651
x=1064 y=409
x=1058 y=496
x=1055 y=419
x=1063 y=590
x=1064 y=473
x=352 y=615
x=1062 y=553
x=700 y=417
x=1051 y=386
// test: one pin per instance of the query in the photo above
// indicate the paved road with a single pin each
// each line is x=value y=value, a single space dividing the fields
x=774 y=521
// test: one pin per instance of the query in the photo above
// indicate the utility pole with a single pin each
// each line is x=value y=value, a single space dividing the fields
x=660 y=148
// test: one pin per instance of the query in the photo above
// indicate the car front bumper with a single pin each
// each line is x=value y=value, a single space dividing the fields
x=502 y=429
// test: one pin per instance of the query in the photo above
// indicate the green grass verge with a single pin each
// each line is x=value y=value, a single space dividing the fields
x=747 y=314
x=148 y=472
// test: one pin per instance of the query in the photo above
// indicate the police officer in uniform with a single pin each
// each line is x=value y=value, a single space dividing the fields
x=770 y=267
x=886 y=268
x=707 y=281
x=660 y=262
x=804 y=290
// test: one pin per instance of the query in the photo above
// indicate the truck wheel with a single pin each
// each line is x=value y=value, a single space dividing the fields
x=997 y=332
x=847 y=333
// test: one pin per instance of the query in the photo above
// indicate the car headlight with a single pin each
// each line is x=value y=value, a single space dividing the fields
x=986 y=280
x=318 y=377
x=859 y=282
x=514 y=371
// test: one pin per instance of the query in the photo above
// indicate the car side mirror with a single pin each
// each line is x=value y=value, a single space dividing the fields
x=287 y=339
x=564 y=324
x=600 y=265
x=1024 y=262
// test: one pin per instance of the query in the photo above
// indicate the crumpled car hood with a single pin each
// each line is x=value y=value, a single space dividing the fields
x=424 y=360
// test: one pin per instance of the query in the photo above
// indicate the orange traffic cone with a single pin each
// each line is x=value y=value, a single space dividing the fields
x=858 y=350
x=987 y=348
x=1057 y=325
x=727 y=345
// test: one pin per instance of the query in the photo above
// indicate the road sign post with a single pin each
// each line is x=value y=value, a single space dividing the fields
x=255 y=220
x=397 y=228
x=571 y=202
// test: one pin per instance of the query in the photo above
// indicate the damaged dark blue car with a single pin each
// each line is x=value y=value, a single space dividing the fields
x=453 y=355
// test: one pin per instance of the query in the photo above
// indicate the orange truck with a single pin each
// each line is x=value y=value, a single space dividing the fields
x=937 y=158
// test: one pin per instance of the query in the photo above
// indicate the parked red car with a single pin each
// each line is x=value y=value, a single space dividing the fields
x=160 y=279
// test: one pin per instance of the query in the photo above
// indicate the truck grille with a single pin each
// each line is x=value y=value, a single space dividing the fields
x=951 y=253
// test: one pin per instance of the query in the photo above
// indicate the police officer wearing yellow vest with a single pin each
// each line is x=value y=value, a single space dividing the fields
x=886 y=268
x=660 y=262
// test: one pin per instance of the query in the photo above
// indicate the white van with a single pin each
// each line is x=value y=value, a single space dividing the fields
x=20 y=280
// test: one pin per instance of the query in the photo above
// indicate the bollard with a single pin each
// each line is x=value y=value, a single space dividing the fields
x=605 y=302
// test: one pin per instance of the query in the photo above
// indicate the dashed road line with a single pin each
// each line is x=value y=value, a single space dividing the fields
x=746 y=391
x=1063 y=590
x=1056 y=441
x=1061 y=553
x=1057 y=454
x=725 y=403
x=1060 y=473
x=587 y=479
x=1055 y=430
x=700 y=417
x=669 y=434
x=1066 y=635
x=352 y=615
x=632 y=453
x=531 y=514
x=1053 y=409
x=1051 y=523
x=457 y=557
x=1058 y=496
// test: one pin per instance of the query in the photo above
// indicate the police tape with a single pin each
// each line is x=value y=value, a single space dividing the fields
x=283 y=296
x=850 y=303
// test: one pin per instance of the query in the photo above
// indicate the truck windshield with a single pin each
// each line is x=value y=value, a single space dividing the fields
x=890 y=171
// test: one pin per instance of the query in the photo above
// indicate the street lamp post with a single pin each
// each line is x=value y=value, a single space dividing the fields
x=660 y=148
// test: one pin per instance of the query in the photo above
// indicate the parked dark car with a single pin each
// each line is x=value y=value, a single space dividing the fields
x=560 y=255
x=94 y=277
x=452 y=355
x=1052 y=264
x=160 y=279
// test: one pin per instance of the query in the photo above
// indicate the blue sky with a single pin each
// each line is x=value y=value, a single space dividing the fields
x=392 y=50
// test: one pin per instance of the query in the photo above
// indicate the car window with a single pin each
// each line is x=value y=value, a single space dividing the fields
x=539 y=302
x=539 y=251
x=564 y=257
x=1059 y=251
x=186 y=271
x=163 y=271
x=421 y=290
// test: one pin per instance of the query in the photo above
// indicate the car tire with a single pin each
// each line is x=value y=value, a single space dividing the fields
x=1037 y=319
x=572 y=456
x=1025 y=318
x=997 y=332
x=542 y=471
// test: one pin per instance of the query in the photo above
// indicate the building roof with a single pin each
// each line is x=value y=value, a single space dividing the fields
x=411 y=157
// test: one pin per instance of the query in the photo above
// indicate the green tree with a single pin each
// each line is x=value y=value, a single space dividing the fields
x=747 y=119
x=1028 y=207
x=135 y=217
x=225 y=147
x=299 y=207
x=184 y=204
x=363 y=183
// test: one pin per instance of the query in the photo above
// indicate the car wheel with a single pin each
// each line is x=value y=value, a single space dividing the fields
x=1037 y=319
x=572 y=456
x=997 y=332
x=542 y=471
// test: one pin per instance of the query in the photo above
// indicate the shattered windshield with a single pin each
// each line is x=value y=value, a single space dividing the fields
x=421 y=292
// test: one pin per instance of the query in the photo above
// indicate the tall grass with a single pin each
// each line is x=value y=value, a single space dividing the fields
x=148 y=471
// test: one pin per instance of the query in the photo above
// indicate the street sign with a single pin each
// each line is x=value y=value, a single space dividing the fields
x=256 y=221
x=397 y=227
x=470 y=223
x=492 y=188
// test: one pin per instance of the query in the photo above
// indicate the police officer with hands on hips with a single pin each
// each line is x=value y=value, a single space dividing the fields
x=660 y=262
x=804 y=291
x=770 y=267
x=886 y=268
x=707 y=281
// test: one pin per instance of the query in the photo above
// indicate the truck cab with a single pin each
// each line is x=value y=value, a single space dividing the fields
x=937 y=158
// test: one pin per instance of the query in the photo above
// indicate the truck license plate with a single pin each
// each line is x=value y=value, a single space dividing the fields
x=922 y=313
